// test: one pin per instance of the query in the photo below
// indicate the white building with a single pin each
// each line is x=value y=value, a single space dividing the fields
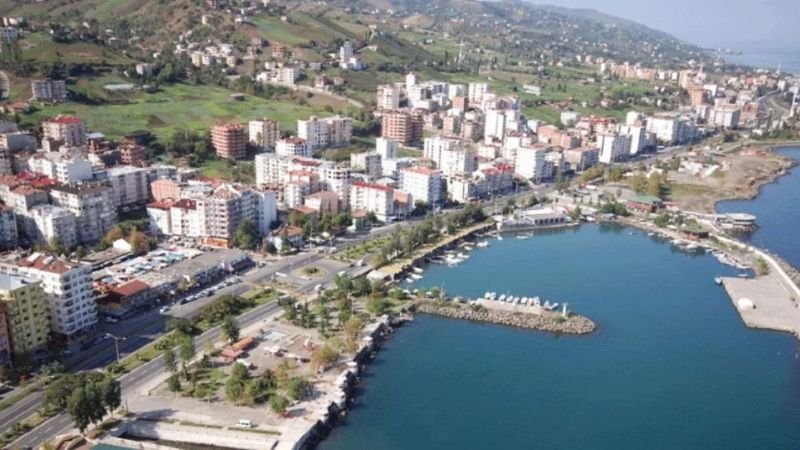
x=63 y=168
x=48 y=90
x=570 y=118
x=368 y=162
x=637 y=135
x=476 y=92
x=50 y=224
x=329 y=132
x=67 y=129
x=388 y=97
x=422 y=184
x=726 y=116
x=93 y=206
x=375 y=198
x=68 y=286
x=450 y=155
x=293 y=146
x=613 y=147
x=129 y=184
x=530 y=163
x=263 y=133
x=386 y=148
x=494 y=126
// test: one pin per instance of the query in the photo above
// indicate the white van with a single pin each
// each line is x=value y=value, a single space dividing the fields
x=244 y=423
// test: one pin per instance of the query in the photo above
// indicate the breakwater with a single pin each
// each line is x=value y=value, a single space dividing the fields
x=547 y=321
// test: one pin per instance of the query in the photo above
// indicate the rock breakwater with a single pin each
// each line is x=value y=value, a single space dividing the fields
x=548 y=321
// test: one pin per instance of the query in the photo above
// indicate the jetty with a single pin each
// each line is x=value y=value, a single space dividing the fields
x=515 y=315
x=766 y=302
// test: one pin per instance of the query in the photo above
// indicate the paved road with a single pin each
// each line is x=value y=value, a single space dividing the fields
x=62 y=423
x=144 y=328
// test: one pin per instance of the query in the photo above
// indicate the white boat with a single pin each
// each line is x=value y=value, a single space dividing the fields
x=651 y=234
x=487 y=295
x=590 y=219
x=523 y=237
x=483 y=244
x=463 y=256
x=467 y=248
x=502 y=297
x=499 y=238
x=416 y=276
x=417 y=270
x=409 y=280
x=718 y=280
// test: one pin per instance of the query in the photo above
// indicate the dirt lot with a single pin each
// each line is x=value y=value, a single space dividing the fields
x=741 y=177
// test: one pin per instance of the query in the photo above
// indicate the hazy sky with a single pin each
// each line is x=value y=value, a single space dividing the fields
x=726 y=23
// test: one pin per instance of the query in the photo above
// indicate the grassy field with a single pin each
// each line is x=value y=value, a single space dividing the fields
x=39 y=48
x=184 y=106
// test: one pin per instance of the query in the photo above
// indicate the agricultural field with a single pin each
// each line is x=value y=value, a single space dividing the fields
x=184 y=106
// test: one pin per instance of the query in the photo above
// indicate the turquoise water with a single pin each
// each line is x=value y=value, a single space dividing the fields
x=671 y=367
x=777 y=210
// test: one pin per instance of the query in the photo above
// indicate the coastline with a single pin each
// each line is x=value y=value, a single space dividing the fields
x=753 y=190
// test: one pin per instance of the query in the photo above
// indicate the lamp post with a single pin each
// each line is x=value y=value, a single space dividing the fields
x=116 y=342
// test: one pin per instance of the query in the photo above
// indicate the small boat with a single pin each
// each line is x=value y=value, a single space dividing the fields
x=499 y=238
x=502 y=297
x=651 y=234
x=742 y=275
x=463 y=256
x=409 y=280
x=590 y=219
x=483 y=244
x=718 y=281
x=417 y=270
x=467 y=248
x=416 y=276
x=523 y=237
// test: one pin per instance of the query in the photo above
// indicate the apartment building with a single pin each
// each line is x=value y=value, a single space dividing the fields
x=451 y=156
x=613 y=147
x=372 y=197
x=323 y=202
x=51 y=224
x=263 y=133
x=328 y=132
x=230 y=205
x=61 y=167
x=25 y=307
x=68 y=287
x=67 y=129
x=423 y=184
x=388 y=97
x=48 y=90
x=582 y=158
x=530 y=163
x=273 y=169
x=293 y=146
x=93 y=206
x=133 y=154
x=402 y=126
x=229 y=140
x=386 y=148
x=8 y=228
x=367 y=162
x=129 y=185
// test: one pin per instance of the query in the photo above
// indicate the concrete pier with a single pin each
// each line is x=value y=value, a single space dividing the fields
x=774 y=306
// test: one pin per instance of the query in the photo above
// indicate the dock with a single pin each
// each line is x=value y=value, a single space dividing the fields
x=765 y=302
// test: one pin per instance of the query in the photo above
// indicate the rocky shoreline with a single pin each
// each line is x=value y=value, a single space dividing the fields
x=549 y=321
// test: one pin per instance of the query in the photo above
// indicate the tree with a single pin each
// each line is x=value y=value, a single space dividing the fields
x=246 y=236
x=78 y=408
x=654 y=185
x=638 y=183
x=297 y=388
x=278 y=403
x=234 y=388
x=139 y=241
x=173 y=383
x=111 y=393
x=352 y=330
x=377 y=305
x=323 y=356
x=186 y=351
x=169 y=361
x=113 y=234
x=615 y=174
x=230 y=329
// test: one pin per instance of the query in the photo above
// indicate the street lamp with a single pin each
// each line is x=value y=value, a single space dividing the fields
x=116 y=342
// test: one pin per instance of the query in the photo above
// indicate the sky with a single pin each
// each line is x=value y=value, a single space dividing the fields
x=739 y=24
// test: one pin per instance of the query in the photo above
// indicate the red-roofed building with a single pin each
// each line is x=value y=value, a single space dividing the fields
x=424 y=185
x=67 y=129
x=372 y=197
x=125 y=298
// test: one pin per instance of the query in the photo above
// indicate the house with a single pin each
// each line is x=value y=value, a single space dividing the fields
x=644 y=204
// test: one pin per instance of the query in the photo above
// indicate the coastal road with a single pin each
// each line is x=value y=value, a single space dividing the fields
x=62 y=423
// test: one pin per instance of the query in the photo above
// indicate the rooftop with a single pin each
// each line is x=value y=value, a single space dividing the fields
x=10 y=282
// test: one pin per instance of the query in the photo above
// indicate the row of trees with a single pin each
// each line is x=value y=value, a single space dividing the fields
x=88 y=397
